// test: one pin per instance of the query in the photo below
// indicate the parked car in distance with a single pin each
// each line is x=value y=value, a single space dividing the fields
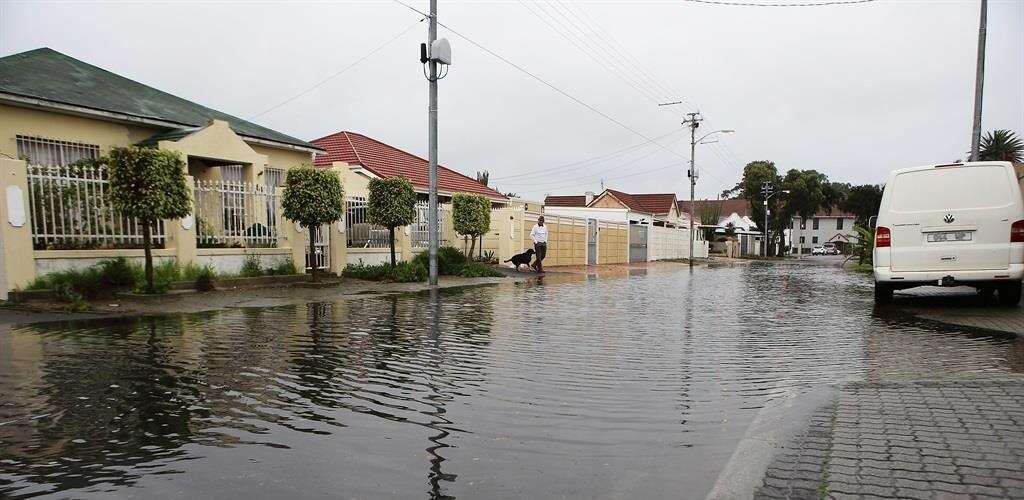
x=818 y=251
x=826 y=249
x=951 y=225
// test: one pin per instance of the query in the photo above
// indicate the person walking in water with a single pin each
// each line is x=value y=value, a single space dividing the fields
x=539 y=234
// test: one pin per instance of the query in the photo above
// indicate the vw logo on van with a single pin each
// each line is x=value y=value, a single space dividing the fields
x=949 y=218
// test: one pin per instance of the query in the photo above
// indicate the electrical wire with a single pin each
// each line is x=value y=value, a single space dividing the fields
x=548 y=84
x=339 y=72
x=799 y=4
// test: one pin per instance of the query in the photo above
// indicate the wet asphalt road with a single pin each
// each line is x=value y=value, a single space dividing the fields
x=644 y=386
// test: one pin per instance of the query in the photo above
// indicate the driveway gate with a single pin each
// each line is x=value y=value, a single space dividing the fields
x=591 y=242
x=637 y=243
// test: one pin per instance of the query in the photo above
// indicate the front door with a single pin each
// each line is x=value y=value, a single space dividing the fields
x=591 y=242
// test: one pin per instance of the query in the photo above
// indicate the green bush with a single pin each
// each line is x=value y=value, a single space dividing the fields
x=192 y=271
x=479 y=270
x=204 y=279
x=252 y=267
x=118 y=273
x=286 y=266
x=404 y=272
x=100 y=280
x=449 y=260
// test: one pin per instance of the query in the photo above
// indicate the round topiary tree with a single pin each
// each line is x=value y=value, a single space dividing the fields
x=471 y=216
x=391 y=203
x=148 y=184
x=312 y=197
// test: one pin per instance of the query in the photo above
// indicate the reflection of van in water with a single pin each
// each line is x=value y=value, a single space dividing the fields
x=950 y=225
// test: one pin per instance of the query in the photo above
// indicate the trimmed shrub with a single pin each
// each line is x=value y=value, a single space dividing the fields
x=286 y=266
x=204 y=279
x=479 y=270
x=312 y=197
x=449 y=260
x=404 y=272
x=409 y=272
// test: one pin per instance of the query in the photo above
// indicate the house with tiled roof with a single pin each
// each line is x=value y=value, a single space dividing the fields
x=659 y=208
x=56 y=110
x=369 y=158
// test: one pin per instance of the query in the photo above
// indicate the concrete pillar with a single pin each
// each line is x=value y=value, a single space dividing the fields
x=291 y=236
x=17 y=264
x=181 y=234
x=403 y=243
x=338 y=247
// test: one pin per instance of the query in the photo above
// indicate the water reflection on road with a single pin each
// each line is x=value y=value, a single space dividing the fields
x=637 y=386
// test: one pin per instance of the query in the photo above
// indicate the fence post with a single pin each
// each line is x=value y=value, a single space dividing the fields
x=182 y=232
x=289 y=231
x=403 y=243
x=17 y=264
x=338 y=246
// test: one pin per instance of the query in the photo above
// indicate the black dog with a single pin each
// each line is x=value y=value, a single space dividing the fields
x=522 y=259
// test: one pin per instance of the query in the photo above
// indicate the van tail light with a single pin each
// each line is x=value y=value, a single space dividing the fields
x=1017 y=232
x=883 y=238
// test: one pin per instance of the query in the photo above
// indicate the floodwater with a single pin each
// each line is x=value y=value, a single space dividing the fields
x=633 y=386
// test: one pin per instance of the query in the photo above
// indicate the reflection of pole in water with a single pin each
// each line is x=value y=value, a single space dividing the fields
x=437 y=400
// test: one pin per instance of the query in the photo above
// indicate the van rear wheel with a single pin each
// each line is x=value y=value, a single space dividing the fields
x=883 y=293
x=1009 y=294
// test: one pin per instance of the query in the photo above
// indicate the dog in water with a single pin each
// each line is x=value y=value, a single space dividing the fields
x=522 y=259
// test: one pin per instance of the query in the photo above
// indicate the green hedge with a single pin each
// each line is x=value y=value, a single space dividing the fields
x=450 y=262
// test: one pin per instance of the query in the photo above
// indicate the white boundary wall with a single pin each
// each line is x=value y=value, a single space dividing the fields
x=667 y=243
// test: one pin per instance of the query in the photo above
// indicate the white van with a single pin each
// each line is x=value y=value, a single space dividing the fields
x=951 y=225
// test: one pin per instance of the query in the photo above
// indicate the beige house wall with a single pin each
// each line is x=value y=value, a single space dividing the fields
x=16 y=121
x=606 y=200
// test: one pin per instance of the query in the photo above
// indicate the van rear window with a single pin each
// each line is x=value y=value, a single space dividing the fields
x=952 y=188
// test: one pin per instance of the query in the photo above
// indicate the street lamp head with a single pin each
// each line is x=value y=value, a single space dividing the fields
x=728 y=131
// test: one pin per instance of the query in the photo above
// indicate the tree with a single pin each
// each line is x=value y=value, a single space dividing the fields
x=1001 y=145
x=312 y=197
x=483 y=177
x=391 y=203
x=710 y=214
x=149 y=185
x=471 y=215
x=755 y=174
x=809 y=191
x=863 y=202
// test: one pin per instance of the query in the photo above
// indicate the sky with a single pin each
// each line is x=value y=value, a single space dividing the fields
x=566 y=94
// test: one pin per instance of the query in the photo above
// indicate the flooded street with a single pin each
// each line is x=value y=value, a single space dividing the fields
x=634 y=386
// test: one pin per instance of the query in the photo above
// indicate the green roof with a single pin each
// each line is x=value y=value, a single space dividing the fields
x=51 y=76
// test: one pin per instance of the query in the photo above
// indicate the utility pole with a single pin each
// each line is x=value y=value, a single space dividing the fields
x=766 y=192
x=693 y=122
x=432 y=147
x=979 y=82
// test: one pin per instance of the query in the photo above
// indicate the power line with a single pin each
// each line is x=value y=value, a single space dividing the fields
x=800 y=4
x=548 y=84
x=338 y=73
x=584 y=163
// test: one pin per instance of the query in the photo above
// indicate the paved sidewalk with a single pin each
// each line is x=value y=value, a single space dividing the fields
x=962 y=439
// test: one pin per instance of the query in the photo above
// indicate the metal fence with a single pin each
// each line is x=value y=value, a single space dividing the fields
x=359 y=232
x=236 y=214
x=70 y=210
x=419 y=232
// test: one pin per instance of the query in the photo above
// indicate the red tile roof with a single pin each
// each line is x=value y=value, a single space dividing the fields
x=388 y=161
x=566 y=201
x=652 y=203
x=738 y=206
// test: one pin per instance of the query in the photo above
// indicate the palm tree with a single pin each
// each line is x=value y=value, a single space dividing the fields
x=1001 y=145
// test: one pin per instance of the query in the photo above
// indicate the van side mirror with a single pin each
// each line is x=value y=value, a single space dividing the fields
x=872 y=221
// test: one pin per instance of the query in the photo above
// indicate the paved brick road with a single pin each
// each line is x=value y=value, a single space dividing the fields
x=962 y=439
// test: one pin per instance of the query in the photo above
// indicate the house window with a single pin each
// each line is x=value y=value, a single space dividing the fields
x=814 y=240
x=51 y=153
x=273 y=178
x=803 y=223
x=816 y=221
x=839 y=224
x=802 y=240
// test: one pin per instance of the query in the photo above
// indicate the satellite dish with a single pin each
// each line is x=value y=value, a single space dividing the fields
x=441 y=51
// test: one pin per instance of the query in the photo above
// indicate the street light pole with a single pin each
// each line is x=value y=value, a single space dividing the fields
x=432 y=152
x=694 y=122
x=979 y=82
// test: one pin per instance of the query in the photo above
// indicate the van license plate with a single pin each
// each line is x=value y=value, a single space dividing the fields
x=949 y=236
